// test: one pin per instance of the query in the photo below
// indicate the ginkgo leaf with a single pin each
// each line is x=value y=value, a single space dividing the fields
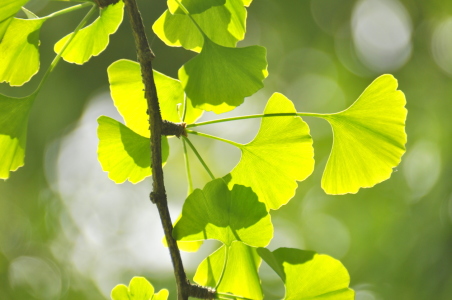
x=216 y=212
x=127 y=87
x=93 y=39
x=13 y=132
x=280 y=155
x=247 y=2
x=184 y=246
x=193 y=6
x=19 y=48
x=124 y=154
x=139 y=289
x=225 y=25
x=8 y=9
x=369 y=138
x=308 y=275
x=219 y=78
x=240 y=274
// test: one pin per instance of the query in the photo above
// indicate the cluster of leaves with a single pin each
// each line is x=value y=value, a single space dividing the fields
x=369 y=139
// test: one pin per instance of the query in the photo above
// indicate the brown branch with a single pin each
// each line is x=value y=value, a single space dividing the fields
x=158 y=195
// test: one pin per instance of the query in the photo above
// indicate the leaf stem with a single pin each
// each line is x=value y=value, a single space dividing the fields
x=297 y=114
x=214 y=137
x=185 y=10
x=68 y=10
x=199 y=157
x=224 y=266
x=187 y=168
x=230 y=296
x=57 y=58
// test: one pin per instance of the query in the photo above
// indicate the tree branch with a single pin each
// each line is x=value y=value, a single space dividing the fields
x=158 y=195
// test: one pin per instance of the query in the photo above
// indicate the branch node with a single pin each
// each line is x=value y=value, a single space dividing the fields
x=155 y=197
x=201 y=292
x=177 y=129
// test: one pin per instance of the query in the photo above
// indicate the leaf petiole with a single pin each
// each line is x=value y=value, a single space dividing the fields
x=215 y=138
x=68 y=10
x=187 y=168
x=298 y=114
x=199 y=157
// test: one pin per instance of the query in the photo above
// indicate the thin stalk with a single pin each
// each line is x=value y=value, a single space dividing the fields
x=187 y=168
x=57 y=58
x=184 y=113
x=298 y=114
x=199 y=157
x=230 y=296
x=224 y=267
x=185 y=10
x=68 y=10
x=215 y=138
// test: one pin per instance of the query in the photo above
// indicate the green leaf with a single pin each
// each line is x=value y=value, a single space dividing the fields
x=19 y=59
x=369 y=139
x=308 y=275
x=8 y=9
x=13 y=132
x=219 y=78
x=280 y=154
x=240 y=275
x=124 y=154
x=193 y=6
x=225 y=25
x=126 y=88
x=93 y=39
x=139 y=289
x=216 y=212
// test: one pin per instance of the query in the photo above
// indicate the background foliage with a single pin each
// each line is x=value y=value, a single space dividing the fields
x=68 y=232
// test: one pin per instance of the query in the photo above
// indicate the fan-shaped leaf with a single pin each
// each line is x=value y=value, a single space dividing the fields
x=19 y=48
x=219 y=78
x=280 y=154
x=225 y=25
x=13 y=132
x=8 y=9
x=93 y=39
x=216 y=212
x=139 y=289
x=124 y=154
x=369 y=139
x=240 y=275
x=127 y=87
x=193 y=6
x=308 y=275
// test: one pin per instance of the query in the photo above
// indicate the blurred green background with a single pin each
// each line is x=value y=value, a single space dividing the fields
x=68 y=232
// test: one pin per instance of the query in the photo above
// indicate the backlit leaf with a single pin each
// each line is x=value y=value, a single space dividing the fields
x=93 y=39
x=126 y=88
x=19 y=48
x=193 y=6
x=8 y=9
x=369 y=139
x=219 y=78
x=124 y=154
x=139 y=289
x=280 y=155
x=308 y=275
x=225 y=25
x=240 y=276
x=13 y=132
x=216 y=212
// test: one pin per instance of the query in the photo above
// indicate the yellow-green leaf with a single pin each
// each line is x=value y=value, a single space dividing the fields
x=280 y=155
x=13 y=132
x=308 y=275
x=240 y=274
x=19 y=48
x=193 y=6
x=127 y=87
x=225 y=25
x=139 y=289
x=369 y=139
x=93 y=39
x=219 y=78
x=124 y=154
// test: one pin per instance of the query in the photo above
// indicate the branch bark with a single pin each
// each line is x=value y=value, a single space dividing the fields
x=157 y=128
